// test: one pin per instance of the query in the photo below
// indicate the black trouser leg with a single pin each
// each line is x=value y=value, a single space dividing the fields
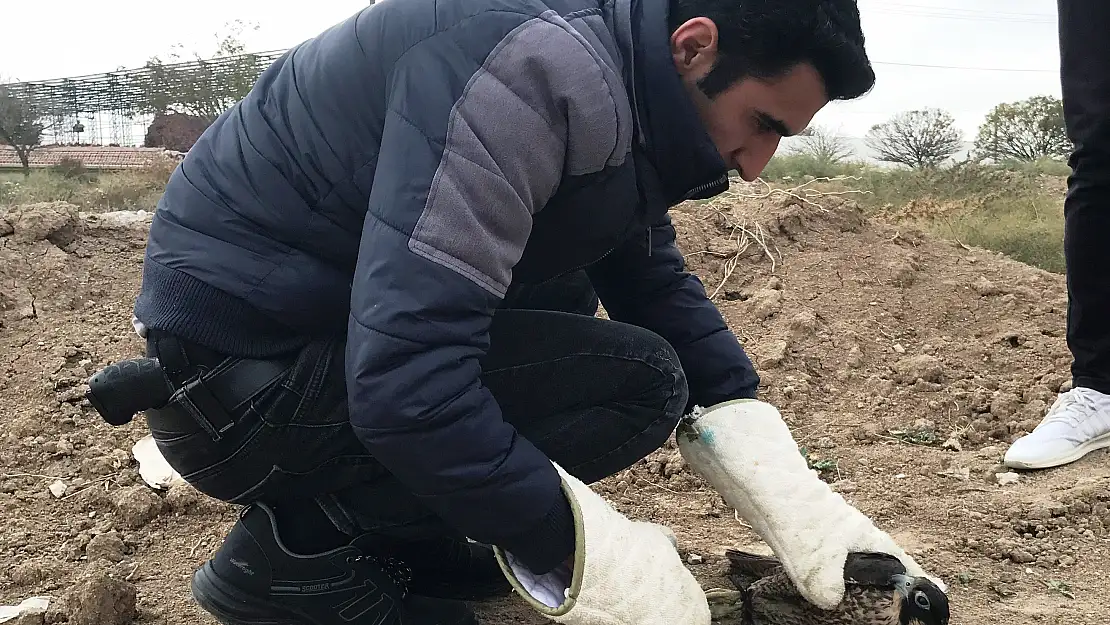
x=595 y=395
x=1085 y=80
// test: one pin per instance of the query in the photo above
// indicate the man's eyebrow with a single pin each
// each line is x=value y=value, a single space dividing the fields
x=775 y=124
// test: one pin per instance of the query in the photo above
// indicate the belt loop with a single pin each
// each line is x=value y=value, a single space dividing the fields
x=197 y=399
x=171 y=353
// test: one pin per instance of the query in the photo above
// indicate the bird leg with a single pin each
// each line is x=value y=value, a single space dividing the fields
x=724 y=603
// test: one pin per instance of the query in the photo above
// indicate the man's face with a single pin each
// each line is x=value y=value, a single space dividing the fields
x=747 y=120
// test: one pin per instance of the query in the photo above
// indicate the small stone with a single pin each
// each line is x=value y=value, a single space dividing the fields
x=183 y=497
x=107 y=546
x=1021 y=556
x=137 y=506
x=985 y=287
x=902 y=273
x=961 y=473
x=854 y=359
x=34 y=571
x=694 y=558
x=58 y=488
x=1005 y=479
x=922 y=366
x=1080 y=507
x=774 y=354
x=868 y=432
x=898 y=348
x=803 y=324
x=99 y=599
x=1004 y=405
x=765 y=303
x=953 y=443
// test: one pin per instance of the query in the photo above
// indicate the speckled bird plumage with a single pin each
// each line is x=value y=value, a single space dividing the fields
x=872 y=594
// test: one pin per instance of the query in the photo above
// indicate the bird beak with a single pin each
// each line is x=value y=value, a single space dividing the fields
x=902 y=584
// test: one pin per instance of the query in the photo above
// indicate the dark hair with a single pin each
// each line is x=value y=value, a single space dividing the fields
x=766 y=38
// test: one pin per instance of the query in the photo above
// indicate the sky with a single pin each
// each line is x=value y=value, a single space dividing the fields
x=999 y=50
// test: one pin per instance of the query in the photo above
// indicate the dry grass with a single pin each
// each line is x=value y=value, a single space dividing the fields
x=137 y=189
x=1013 y=208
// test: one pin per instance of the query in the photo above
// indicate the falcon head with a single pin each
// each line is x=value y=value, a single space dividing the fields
x=922 y=601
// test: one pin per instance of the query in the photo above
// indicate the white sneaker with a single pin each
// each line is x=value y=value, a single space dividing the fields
x=1077 y=423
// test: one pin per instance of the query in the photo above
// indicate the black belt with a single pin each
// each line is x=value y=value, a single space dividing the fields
x=214 y=396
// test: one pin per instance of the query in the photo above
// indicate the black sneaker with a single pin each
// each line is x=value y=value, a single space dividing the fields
x=254 y=580
x=447 y=567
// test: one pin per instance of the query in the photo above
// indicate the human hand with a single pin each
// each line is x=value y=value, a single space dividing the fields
x=623 y=572
x=745 y=451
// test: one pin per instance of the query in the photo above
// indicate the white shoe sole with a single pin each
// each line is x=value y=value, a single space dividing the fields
x=1094 y=444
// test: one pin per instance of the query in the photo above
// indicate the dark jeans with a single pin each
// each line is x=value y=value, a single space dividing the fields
x=1085 y=81
x=594 y=395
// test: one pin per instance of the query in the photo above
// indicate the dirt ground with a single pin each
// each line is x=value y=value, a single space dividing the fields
x=904 y=365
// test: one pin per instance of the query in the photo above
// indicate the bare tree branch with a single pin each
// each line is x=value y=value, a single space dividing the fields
x=823 y=145
x=920 y=138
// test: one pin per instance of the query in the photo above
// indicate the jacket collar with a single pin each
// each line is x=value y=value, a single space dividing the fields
x=668 y=126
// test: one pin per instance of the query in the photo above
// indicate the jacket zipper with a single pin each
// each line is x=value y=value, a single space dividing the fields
x=705 y=187
x=692 y=192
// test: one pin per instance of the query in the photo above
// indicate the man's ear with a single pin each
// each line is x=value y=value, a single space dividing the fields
x=694 y=46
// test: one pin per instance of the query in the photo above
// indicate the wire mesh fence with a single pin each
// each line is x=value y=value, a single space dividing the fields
x=115 y=108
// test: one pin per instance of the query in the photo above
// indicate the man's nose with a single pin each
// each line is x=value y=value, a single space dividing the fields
x=754 y=157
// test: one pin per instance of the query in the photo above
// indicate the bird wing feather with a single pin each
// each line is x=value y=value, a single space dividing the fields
x=772 y=598
x=872 y=569
x=745 y=568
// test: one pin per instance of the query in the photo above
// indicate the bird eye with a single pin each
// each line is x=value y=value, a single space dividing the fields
x=921 y=600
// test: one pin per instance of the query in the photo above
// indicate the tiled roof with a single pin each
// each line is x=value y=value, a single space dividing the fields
x=93 y=157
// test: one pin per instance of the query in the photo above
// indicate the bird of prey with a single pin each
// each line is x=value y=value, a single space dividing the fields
x=877 y=592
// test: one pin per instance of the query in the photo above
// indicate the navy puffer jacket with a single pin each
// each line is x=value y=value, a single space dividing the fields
x=393 y=177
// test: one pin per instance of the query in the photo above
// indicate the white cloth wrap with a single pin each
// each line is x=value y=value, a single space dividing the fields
x=625 y=572
x=746 y=452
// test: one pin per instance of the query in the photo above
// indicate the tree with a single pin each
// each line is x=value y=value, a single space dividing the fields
x=1025 y=131
x=919 y=139
x=20 y=125
x=822 y=145
x=203 y=88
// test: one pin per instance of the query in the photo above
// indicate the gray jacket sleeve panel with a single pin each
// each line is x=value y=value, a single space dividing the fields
x=540 y=106
x=469 y=154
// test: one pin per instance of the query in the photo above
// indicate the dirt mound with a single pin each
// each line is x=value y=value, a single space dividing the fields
x=903 y=364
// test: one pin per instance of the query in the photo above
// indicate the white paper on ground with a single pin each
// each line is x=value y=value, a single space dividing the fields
x=153 y=468
x=31 y=605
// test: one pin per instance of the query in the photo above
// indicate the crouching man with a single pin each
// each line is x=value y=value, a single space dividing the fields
x=373 y=284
